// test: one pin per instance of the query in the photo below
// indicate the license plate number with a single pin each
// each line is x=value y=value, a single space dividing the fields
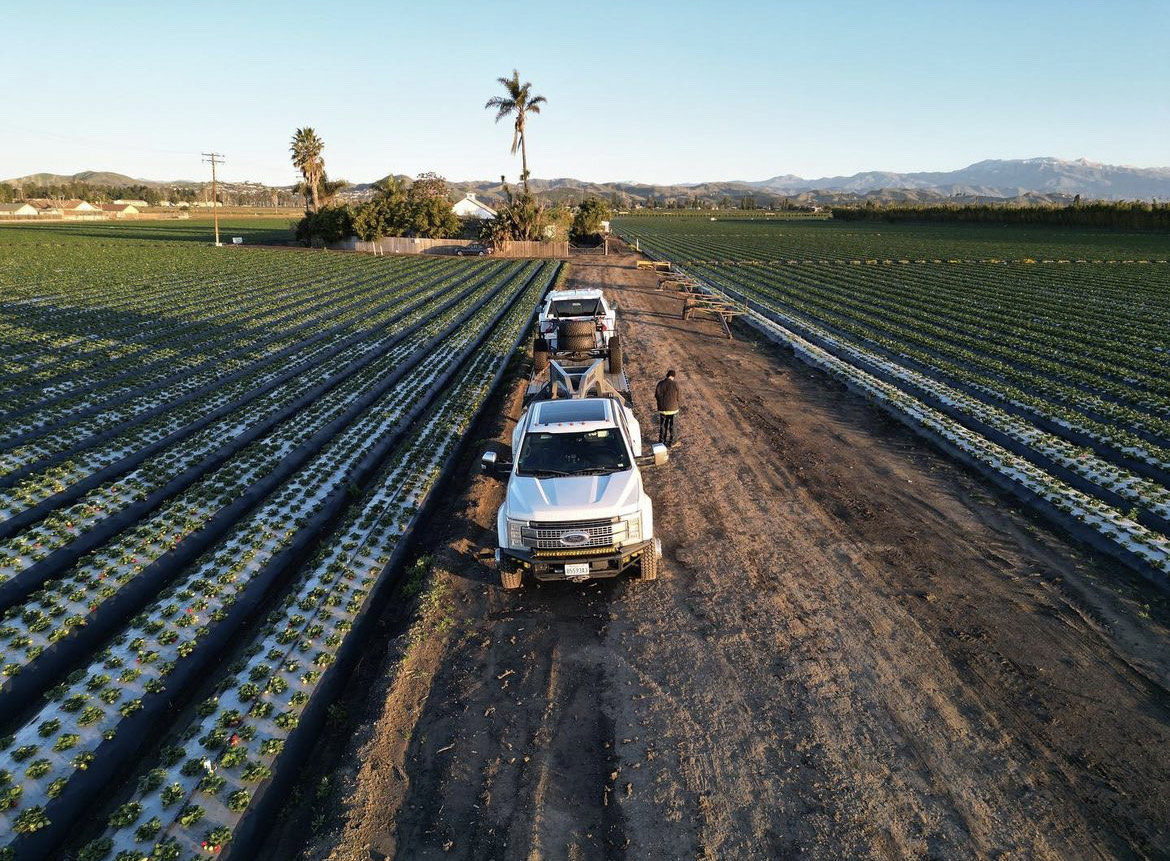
x=577 y=569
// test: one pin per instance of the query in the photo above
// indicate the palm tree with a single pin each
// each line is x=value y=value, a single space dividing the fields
x=306 y=157
x=520 y=103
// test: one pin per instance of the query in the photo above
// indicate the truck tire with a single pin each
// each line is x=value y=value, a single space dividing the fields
x=648 y=567
x=539 y=355
x=511 y=579
x=576 y=343
x=569 y=328
x=615 y=355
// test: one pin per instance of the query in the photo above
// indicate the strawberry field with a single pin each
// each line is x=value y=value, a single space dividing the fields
x=210 y=463
x=1040 y=355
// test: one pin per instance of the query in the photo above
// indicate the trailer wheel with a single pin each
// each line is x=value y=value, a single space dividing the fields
x=511 y=579
x=540 y=355
x=648 y=567
x=615 y=355
x=569 y=328
x=576 y=343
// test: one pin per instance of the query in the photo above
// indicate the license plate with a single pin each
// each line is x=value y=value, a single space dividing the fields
x=577 y=569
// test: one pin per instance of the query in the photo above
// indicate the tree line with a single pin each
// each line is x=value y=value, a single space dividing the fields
x=424 y=207
x=1125 y=215
x=250 y=194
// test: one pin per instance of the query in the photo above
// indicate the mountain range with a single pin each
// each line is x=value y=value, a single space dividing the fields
x=1000 y=178
x=1032 y=179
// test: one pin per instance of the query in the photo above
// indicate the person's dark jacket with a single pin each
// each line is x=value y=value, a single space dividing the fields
x=666 y=395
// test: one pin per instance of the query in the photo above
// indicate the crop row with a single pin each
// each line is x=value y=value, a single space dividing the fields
x=1114 y=410
x=1063 y=372
x=690 y=239
x=92 y=715
x=219 y=412
x=1150 y=549
x=194 y=798
x=79 y=594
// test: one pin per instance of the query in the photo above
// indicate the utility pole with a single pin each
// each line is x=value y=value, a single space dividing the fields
x=214 y=158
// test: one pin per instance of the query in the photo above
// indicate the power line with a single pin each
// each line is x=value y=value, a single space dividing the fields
x=214 y=158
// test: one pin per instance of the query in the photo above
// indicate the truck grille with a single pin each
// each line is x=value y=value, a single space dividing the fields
x=587 y=533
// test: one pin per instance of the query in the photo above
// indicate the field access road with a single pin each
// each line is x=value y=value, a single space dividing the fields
x=856 y=649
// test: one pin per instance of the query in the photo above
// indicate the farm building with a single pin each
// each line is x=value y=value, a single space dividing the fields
x=120 y=210
x=469 y=207
x=16 y=210
x=77 y=206
x=73 y=207
x=44 y=206
x=140 y=204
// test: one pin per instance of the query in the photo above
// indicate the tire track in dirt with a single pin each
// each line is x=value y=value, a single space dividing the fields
x=944 y=772
x=854 y=650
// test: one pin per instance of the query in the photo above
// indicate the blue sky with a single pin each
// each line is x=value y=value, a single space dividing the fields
x=657 y=92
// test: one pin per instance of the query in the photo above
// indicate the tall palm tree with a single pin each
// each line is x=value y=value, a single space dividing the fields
x=518 y=102
x=306 y=157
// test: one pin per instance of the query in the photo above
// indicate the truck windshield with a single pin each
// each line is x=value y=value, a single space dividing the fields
x=575 y=308
x=596 y=452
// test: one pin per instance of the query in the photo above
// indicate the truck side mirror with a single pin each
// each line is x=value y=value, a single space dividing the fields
x=491 y=464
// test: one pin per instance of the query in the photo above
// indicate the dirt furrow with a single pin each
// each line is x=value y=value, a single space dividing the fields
x=855 y=650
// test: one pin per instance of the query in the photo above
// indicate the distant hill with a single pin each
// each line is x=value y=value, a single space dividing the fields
x=95 y=177
x=1033 y=180
x=999 y=178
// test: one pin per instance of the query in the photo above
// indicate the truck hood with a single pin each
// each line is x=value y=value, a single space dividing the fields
x=583 y=497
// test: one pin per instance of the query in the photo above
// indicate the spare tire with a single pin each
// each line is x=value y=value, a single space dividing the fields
x=576 y=343
x=615 y=355
x=571 y=328
x=540 y=355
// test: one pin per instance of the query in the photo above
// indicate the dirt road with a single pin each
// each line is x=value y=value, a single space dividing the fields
x=855 y=650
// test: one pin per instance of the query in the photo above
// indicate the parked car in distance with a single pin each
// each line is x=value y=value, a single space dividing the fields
x=475 y=249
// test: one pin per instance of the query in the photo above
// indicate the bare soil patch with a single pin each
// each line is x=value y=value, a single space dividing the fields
x=855 y=649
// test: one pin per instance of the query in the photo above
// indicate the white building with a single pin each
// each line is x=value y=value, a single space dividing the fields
x=469 y=207
x=17 y=210
x=120 y=210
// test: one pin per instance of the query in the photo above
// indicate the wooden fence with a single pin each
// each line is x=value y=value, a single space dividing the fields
x=407 y=245
x=532 y=249
x=401 y=245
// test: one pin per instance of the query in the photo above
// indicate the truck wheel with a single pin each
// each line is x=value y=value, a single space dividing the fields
x=511 y=579
x=540 y=355
x=569 y=328
x=615 y=355
x=648 y=567
x=575 y=343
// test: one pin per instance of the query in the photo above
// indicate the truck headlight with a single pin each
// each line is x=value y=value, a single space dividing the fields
x=515 y=532
x=634 y=528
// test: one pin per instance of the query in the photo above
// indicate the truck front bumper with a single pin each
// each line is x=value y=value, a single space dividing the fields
x=603 y=564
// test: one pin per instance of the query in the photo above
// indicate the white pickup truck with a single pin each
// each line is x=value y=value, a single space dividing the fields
x=575 y=507
x=580 y=324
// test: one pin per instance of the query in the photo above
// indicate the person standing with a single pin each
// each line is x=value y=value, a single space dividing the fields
x=666 y=398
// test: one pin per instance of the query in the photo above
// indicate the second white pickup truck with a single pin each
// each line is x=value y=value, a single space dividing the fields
x=579 y=324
